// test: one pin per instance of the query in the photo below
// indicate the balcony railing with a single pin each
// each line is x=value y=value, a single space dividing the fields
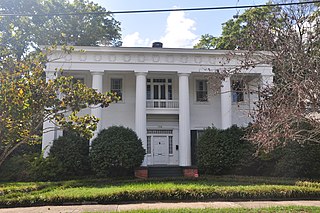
x=162 y=104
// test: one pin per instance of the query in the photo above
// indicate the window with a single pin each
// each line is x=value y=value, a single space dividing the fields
x=159 y=90
x=170 y=145
x=148 y=144
x=116 y=86
x=237 y=90
x=201 y=90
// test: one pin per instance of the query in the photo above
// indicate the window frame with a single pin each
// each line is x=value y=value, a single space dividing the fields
x=238 y=91
x=121 y=86
x=198 y=101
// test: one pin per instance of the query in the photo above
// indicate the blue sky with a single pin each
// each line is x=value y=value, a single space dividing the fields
x=174 y=29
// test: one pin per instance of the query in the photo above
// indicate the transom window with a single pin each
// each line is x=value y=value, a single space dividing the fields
x=201 y=90
x=238 y=88
x=116 y=86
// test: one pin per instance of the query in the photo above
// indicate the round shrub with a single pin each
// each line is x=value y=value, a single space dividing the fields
x=116 y=152
x=71 y=153
x=224 y=151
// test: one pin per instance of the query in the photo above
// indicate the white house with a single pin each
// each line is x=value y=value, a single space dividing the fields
x=166 y=95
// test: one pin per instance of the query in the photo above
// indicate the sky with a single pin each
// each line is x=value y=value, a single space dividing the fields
x=179 y=29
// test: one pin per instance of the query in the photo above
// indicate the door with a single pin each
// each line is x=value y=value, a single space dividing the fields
x=159 y=93
x=160 y=150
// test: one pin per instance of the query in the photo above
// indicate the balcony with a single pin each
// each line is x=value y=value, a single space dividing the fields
x=162 y=106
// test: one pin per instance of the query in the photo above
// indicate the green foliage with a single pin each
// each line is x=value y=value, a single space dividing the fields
x=27 y=100
x=72 y=151
x=18 y=34
x=237 y=32
x=224 y=151
x=44 y=169
x=299 y=160
x=19 y=163
x=106 y=191
x=116 y=152
x=17 y=168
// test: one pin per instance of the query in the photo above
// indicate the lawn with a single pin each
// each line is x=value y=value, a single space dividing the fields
x=114 y=191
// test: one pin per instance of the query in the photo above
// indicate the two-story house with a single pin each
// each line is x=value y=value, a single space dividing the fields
x=167 y=95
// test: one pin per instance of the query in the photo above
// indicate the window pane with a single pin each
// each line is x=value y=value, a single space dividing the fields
x=155 y=92
x=148 y=92
x=170 y=92
x=201 y=91
x=170 y=145
x=116 y=86
x=237 y=90
x=148 y=144
x=163 y=92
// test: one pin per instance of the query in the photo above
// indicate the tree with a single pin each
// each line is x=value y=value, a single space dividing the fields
x=236 y=31
x=27 y=100
x=20 y=33
x=289 y=110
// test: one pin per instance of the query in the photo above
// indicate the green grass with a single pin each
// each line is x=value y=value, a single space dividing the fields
x=291 y=209
x=113 y=191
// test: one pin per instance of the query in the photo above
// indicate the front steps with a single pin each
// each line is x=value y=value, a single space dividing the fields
x=166 y=172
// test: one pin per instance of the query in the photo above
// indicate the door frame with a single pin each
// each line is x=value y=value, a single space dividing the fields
x=168 y=133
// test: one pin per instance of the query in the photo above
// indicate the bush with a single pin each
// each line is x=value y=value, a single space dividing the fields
x=116 y=152
x=68 y=158
x=299 y=160
x=17 y=166
x=224 y=151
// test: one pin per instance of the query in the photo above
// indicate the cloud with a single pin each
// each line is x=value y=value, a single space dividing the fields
x=179 y=31
x=134 y=40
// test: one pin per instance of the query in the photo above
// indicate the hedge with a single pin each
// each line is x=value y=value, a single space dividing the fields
x=102 y=196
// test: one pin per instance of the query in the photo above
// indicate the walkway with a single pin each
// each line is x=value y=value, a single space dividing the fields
x=160 y=205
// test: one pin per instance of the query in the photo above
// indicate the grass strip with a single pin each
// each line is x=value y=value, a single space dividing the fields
x=107 y=191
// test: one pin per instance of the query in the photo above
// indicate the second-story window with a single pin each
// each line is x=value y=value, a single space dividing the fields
x=116 y=86
x=201 y=90
x=238 y=91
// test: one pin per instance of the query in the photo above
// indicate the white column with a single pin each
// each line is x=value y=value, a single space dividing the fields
x=141 y=116
x=184 y=121
x=97 y=84
x=49 y=129
x=226 y=104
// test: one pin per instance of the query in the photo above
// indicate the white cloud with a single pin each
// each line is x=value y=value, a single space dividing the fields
x=134 y=40
x=179 y=31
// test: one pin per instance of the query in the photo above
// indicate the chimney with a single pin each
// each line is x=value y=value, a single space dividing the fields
x=157 y=45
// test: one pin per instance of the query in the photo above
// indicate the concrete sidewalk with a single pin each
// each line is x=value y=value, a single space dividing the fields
x=159 y=205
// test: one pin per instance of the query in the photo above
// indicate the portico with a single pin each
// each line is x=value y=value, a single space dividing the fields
x=165 y=95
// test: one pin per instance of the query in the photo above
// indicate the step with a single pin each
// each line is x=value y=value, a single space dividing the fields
x=165 y=171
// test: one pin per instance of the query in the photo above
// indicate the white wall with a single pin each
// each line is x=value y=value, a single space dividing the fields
x=123 y=112
x=203 y=114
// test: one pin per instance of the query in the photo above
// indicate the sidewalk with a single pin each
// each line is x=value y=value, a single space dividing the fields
x=160 y=205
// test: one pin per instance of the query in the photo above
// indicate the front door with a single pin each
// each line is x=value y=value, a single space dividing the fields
x=160 y=150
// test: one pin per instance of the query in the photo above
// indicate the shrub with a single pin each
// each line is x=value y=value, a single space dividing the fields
x=68 y=158
x=17 y=166
x=299 y=160
x=116 y=152
x=224 y=151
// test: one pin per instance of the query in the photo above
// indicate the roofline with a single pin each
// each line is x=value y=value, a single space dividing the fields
x=157 y=50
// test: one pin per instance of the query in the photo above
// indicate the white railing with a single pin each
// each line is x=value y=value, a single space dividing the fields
x=162 y=104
